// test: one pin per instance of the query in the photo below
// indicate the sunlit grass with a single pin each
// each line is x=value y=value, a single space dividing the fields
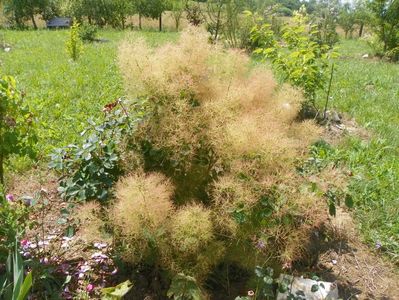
x=63 y=93
x=368 y=90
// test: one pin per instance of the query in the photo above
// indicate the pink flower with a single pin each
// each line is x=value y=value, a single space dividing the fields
x=90 y=287
x=24 y=243
x=10 y=198
x=251 y=293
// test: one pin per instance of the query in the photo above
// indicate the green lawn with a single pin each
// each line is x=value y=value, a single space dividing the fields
x=368 y=90
x=62 y=93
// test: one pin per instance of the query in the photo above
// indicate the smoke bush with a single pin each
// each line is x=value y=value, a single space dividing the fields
x=228 y=139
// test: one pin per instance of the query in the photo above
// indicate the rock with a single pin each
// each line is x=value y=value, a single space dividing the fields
x=307 y=289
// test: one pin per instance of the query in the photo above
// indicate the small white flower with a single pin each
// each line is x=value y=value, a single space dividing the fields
x=99 y=255
x=85 y=268
x=100 y=245
x=43 y=243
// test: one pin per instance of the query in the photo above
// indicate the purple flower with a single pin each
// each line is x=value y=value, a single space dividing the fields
x=114 y=271
x=44 y=260
x=90 y=287
x=261 y=245
x=378 y=245
x=10 y=198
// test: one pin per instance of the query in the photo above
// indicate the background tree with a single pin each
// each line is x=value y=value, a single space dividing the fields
x=20 y=11
x=325 y=17
x=362 y=15
x=386 y=24
x=178 y=7
x=152 y=9
x=347 y=19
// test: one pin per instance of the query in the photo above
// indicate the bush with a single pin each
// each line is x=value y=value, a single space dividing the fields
x=90 y=168
x=228 y=138
x=17 y=134
x=87 y=32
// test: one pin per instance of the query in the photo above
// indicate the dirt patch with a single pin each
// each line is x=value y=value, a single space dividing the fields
x=342 y=126
x=361 y=272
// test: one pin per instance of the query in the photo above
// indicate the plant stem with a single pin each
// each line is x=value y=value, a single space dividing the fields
x=328 y=91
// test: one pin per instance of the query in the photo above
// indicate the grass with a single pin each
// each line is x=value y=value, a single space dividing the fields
x=62 y=93
x=368 y=90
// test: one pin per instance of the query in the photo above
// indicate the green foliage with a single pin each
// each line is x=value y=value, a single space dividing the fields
x=20 y=11
x=74 y=45
x=116 y=292
x=224 y=20
x=386 y=25
x=66 y=93
x=297 y=58
x=87 y=32
x=325 y=21
x=101 y=13
x=347 y=19
x=178 y=7
x=16 y=123
x=91 y=168
x=13 y=222
x=184 y=288
x=13 y=286
x=152 y=9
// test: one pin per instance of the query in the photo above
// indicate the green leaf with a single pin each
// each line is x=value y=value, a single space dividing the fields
x=332 y=209
x=314 y=288
x=349 y=201
x=184 y=288
x=259 y=272
x=26 y=286
x=117 y=292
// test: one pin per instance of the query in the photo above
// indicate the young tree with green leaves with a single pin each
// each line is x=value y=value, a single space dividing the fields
x=17 y=136
x=296 y=56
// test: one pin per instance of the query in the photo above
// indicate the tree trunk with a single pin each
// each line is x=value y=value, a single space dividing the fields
x=361 y=29
x=140 y=21
x=160 y=22
x=123 y=22
x=32 y=17
x=217 y=23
